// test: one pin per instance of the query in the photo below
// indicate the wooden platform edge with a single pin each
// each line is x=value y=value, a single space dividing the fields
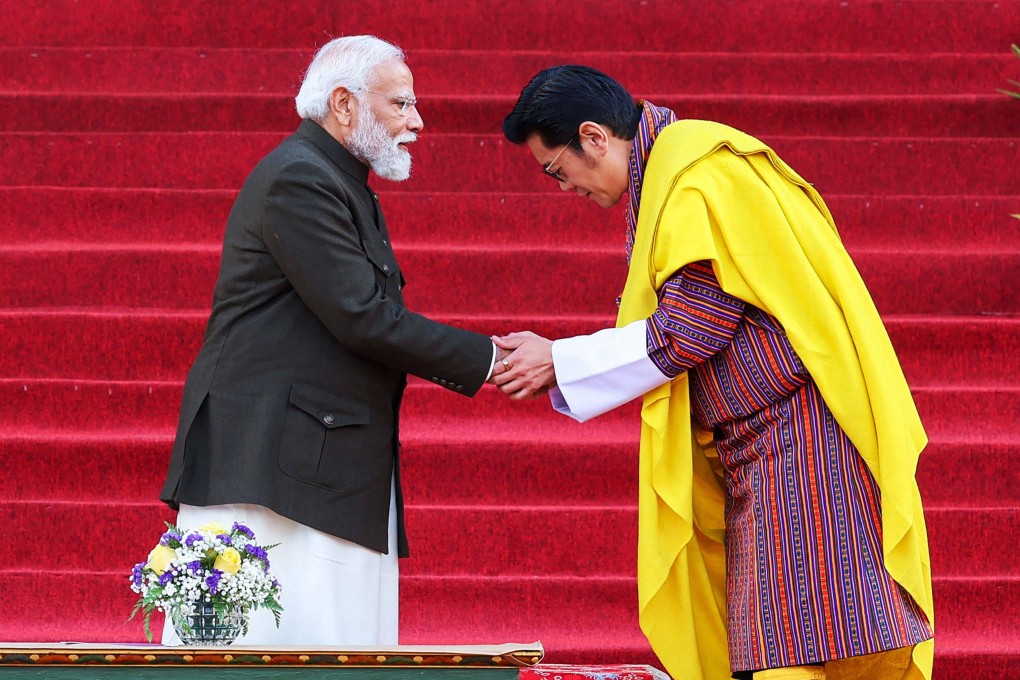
x=80 y=654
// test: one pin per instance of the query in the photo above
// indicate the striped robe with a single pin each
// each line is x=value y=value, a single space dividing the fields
x=806 y=580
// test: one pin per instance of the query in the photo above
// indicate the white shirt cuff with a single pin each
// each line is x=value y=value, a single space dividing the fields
x=596 y=373
x=493 y=364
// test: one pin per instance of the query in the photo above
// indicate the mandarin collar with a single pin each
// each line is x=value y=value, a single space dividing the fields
x=334 y=150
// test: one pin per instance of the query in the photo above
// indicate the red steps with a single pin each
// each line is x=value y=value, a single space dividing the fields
x=473 y=610
x=470 y=280
x=160 y=344
x=936 y=116
x=443 y=72
x=39 y=215
x=222 y=160
x=32 y=406
x=483 y=469
x=491 y=541
x=869 y=26
x=923 y=141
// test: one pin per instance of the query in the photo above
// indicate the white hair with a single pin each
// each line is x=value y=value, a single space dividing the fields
x=342 y=62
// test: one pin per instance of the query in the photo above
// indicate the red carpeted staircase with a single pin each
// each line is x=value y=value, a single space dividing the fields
x=126 y=128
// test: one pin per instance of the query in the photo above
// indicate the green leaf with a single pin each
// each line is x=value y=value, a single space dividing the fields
x=145 y=626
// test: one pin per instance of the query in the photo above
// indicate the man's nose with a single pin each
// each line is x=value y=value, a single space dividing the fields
x=414 y=121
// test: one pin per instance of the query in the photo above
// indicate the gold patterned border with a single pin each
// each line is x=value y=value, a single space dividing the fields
x=100 y=656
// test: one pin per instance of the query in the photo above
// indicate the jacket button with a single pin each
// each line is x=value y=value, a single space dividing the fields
x=328 y=419
x=386 y=268
x=460 y=388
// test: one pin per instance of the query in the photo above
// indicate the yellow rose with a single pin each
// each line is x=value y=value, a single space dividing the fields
x=213 y=529
x=159 y=559
x=228 y=561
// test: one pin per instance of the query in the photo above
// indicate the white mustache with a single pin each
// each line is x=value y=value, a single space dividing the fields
x=406 y=138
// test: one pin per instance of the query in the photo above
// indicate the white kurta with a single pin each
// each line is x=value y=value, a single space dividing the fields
x=335 y=592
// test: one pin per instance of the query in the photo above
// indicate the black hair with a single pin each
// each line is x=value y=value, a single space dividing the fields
x=560 y=98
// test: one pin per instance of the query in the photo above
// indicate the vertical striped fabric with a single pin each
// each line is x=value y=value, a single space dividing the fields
x=806 y=580
x=653 y=120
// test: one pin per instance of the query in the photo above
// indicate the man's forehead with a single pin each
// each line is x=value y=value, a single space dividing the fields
x=393 y=74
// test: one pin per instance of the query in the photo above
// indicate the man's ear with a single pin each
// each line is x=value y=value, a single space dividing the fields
x=342 y=104
x=595 y=136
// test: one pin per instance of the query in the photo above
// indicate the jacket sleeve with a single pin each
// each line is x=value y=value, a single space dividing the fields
x=309 y=230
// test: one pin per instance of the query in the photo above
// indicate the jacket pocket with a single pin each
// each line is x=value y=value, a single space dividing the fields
x=382 y=258
x=319 y=428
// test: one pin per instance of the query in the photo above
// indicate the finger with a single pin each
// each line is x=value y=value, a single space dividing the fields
x=522 y=394
x=515 y=385
x=502 y=342
x=519 y=336
x=502 y=378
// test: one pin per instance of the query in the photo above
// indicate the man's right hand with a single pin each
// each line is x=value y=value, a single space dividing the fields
x=527 y=370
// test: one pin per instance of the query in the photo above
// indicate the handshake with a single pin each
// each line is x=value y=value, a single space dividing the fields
x=524 y=365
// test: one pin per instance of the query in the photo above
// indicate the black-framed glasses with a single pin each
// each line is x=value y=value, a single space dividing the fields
x=547 y=168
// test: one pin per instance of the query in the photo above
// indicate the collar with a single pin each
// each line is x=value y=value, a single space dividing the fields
x=653 y=120
x=334 y=150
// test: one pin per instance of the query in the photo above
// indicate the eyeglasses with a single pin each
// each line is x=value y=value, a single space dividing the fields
x=405 y=104
x=547 y=168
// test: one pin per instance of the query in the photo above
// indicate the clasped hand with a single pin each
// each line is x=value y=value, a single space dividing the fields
x=524 y=365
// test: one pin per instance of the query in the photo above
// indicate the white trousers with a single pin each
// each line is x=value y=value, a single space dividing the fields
x=335 y=592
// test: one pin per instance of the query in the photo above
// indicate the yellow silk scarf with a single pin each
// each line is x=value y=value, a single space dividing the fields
x=713 y=193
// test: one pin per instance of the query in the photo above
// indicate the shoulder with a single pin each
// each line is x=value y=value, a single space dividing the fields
x=686 y=142
x=296 y=156
x=298 y=165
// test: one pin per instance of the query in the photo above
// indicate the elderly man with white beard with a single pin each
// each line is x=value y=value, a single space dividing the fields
x=289 y=417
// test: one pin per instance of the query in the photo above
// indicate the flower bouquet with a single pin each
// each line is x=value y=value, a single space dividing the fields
x=207 y=569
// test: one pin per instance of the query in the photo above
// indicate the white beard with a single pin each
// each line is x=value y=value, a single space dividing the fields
x=372 y=144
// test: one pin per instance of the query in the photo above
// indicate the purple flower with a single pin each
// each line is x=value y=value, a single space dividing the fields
x=192 y=539
x=194 y=567
x=213 y=581
x=225 y=539
x=241 y=529
x=166 y=577
x=136 y=574
x=258 y=553
x=169 y=537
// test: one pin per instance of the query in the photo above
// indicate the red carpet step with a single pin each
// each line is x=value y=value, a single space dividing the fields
x=437 y=608
x=484 y=470
x=656 y=25
x=158 y=216
x=579 y=281
x=150 y=408
x=127 y=132
x=148 y=344
x=497 y=541
x=977 y=115
x=457 y=72
x=222 y=160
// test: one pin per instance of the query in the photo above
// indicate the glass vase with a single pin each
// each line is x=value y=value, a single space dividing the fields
x=203 y=627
